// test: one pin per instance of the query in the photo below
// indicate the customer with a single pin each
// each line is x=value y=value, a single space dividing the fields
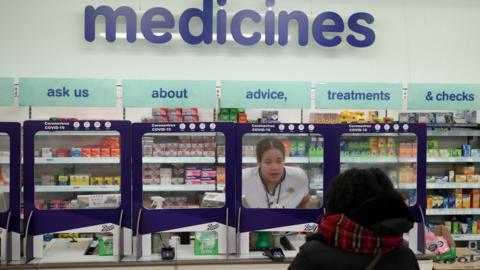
x=271 y=184
x=362 y=228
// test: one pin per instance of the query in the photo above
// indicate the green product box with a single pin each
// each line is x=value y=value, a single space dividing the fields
x=105 y=246
x=206 y=243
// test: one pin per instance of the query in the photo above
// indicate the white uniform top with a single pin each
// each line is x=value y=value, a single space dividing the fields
x=288 y=194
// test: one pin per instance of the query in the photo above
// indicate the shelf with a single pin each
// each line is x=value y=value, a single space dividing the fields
x=465 y=237
x=453 y=133
x=377 y=160
x=291 y=160
x=453 y=159
x=77 y=133
x=178 y=188
x=453 y=211
x=111 y=188
x=178 y=160
x=78 y=160
x=4 y=189
x=407 y=186
x=4 y=160
x=452 y=185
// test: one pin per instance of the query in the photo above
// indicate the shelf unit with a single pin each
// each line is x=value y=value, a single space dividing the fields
x=78 y=160
x=4 y=160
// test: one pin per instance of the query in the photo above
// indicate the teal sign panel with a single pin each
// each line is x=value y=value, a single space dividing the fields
x=359 y=96
x=67 y=92
x=422 y=96
x=6 y=91
x=169 y=94
x=265 y=94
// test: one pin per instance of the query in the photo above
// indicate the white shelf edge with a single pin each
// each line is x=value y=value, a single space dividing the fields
x=178 y=160
x=89 y=188
x=452 y=211
x=300 y=160
x=179 y=188
x=78 y=160
x=377 y=160
x=453 y=159
x=452 y=185
x=465 y=237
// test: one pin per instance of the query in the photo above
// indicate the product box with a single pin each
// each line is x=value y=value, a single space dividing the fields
x=96 y=180
x=95 y=152
x=105 y=152
x=47 y=152
x=76 y=152
x=116 y=180
x=472 y=178
x=86 y=152
x=79 y=180
x=115 y=152
x=62 y=180
x=460 y=178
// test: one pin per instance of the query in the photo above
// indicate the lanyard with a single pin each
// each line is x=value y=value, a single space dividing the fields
x=274 y=191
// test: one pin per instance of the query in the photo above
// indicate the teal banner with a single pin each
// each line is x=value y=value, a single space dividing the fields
x=423 y=96
x=45 y=92
x=169 y=94
x=265 y=95
x=359 y=96
x=6 y=91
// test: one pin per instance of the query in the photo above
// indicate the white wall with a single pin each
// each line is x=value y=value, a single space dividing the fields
x=416 y=41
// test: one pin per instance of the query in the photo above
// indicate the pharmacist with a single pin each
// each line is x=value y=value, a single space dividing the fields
x=271 y=184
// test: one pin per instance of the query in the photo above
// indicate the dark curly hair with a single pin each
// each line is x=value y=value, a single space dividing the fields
x=267 y=144
x=355 y=186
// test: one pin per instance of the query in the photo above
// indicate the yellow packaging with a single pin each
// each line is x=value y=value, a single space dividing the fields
x=96 y=180
x=466 y=201
x=474 y=227
x=472 y=178
x=79 y=180
x=460 y=178
x=458 y=198
x=116 y=180
x=108 y=180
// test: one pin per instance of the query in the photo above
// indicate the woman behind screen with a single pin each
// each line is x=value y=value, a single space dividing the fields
x=271 y=184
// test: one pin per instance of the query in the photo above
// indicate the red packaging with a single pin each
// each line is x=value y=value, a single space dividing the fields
x=104 y=152
x=95 y=152
x=115 y=152
x=86 y=152
x=62 y=153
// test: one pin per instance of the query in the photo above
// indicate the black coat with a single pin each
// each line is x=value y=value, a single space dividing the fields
x=317 y=255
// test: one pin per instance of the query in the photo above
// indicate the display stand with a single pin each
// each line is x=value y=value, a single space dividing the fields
x=92 y=218
x=10 y=193
x=251 y=219
x=182 y=218
x=341 y=133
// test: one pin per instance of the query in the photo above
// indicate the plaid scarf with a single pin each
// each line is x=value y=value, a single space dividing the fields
x=340 y=231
